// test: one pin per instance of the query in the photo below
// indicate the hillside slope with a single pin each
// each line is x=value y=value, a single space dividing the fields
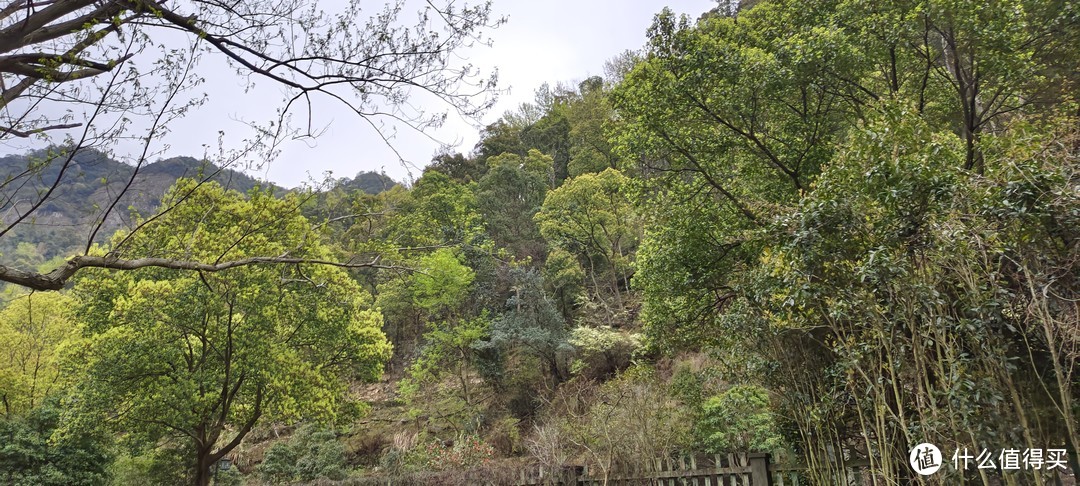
x=65 y=218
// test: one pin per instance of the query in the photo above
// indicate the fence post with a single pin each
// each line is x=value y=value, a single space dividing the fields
x=759 y=469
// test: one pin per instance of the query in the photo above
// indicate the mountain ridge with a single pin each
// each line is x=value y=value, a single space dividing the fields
x=50 y=224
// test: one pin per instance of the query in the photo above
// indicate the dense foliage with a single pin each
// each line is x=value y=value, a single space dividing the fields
x=828 y=230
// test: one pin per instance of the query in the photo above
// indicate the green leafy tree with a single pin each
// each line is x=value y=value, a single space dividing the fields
x=591 y=217
x=509 y=195
x=443 y=281
x=590 y=113
x=900 y=248
x=566 y=279
x=551 y=135
x=196 y=360
x=437 y=212
x=729 y=120
x=501 y=137
x=437 y=229
x=35 y=330
x=443 y=381
x=440 y=380
x=459 y=167
x=531 y=325
x=437 y=290
x=827 y=185
x=32 y=453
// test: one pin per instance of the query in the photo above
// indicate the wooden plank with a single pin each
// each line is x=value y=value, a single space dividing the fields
x=854 y=463
x=699 y=463
x=666 y=477
x=759 y=469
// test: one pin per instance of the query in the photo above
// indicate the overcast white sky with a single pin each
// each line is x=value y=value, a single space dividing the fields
x=549 y=41
x=543 y=41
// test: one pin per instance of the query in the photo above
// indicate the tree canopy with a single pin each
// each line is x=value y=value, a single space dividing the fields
x=826 y=230
x=198 y=359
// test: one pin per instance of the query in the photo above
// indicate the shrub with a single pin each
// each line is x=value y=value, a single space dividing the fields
x=739 y=419
x=469 y=451
x=309 y=455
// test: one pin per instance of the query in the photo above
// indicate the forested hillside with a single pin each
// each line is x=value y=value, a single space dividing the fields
x=826 y=230
x=65 y=222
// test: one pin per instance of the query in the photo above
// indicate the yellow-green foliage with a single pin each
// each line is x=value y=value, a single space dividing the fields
x=34 y=330
x=203 y=356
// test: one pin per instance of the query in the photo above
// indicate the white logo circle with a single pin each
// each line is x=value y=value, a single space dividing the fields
x=925 y=458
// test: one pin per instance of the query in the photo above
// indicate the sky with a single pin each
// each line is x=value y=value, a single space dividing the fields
x=543 y=41
x=553 y=41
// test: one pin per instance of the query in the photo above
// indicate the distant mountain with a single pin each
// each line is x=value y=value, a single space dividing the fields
x=60 y=222
x=369 y=182
x=65 y=217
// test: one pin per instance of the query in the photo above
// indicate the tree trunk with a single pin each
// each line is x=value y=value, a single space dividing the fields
x=203 y=470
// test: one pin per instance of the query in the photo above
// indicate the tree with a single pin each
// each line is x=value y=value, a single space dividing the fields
x=729 y=120
x=501 y=137
x=531 y=325
x=738 y=420
x=443 y=379
x=459 y=167
x=589 y=115
x=34 y=329
x=81 y=67
x=848 y=199
x=551 y=135
x=566 y=279
x=902 y=281
x=509 y=195
x=434 y=228
x=444 y=282
x=31 y=453
x=309 y=454
x=591 y=217
x=437 y=212
x=195 y=360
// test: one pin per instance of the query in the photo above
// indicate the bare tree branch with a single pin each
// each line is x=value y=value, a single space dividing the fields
x=56 y=279
x=17 y=133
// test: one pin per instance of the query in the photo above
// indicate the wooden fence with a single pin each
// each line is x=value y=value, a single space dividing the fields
x=715 y=470
x=730 y=470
